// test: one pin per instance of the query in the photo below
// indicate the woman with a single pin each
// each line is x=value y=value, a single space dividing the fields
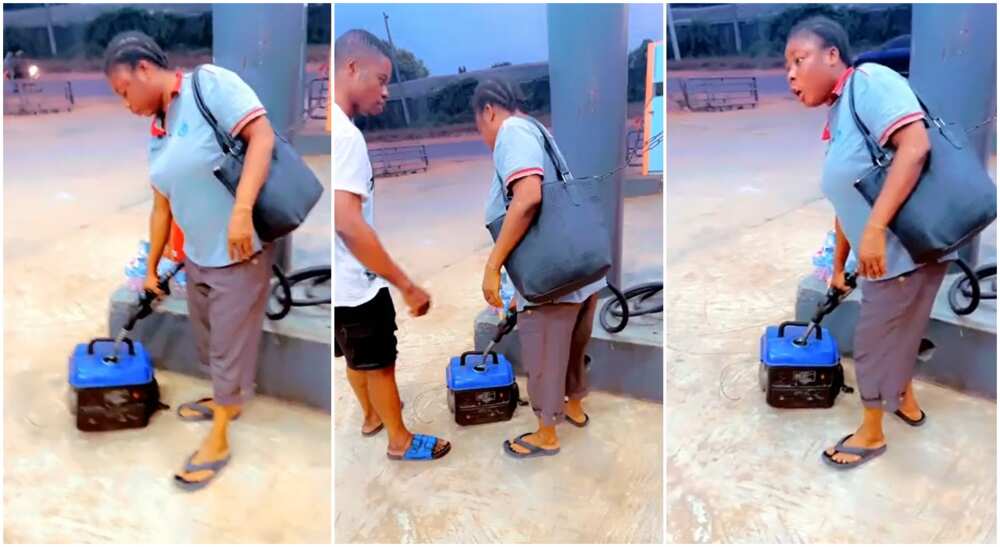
x=897 y=293
x=553 y=335
x=228 y=269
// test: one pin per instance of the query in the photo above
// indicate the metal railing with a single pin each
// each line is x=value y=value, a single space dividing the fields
x=35 y=97
x=317 y=97
x=725 y=93
x=399 y=160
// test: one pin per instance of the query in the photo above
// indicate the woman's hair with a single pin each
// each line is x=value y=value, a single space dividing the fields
x=499 y=93
x=829 y=32
x=128 y=48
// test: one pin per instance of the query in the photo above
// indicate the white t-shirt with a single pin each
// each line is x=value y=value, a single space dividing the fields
x=352 y=172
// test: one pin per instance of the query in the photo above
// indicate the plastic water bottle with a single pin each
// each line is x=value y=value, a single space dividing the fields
x=506 y=291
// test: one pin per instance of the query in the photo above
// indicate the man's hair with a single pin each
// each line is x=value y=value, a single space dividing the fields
x=497 y=92
x=356 y=42
x=829 y=32
x=130 y=47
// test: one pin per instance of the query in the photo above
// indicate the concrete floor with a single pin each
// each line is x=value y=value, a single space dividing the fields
x=593 y=491
x=76 y=203
x=744 y=217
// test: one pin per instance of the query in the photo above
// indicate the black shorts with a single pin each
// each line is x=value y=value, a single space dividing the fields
x=366 y=334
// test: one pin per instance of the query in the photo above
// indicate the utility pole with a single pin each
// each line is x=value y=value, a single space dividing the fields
x=673 y=35
x=395 y=68
x=736 y=28
x=52 y=34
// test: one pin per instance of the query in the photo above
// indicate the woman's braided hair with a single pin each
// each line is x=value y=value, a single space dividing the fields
x=497 y=92
x=829 y=32
x=130 y=47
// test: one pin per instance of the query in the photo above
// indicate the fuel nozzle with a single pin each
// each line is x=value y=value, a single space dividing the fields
x=503 y=329
x=143 y=309
x=834 y=297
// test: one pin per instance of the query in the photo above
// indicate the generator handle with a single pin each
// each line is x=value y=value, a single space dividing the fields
x=496 y=360
x=90 y=346
x=781 y=328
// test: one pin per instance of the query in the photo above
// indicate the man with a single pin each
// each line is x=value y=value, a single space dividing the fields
x=364 y=315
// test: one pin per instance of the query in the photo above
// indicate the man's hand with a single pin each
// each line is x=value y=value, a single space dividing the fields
x=491 y=286
x=417 y=300
x=871 y=252
x=241 y=234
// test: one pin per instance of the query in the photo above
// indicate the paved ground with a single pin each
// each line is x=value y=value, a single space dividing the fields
x=76 y=203
x=594 y=491
x=745 y=215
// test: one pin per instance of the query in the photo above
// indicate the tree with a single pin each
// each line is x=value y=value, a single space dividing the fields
x=637 y=59
x=410 y=67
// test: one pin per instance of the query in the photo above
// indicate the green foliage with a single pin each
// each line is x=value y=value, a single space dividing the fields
x=537 y=96
x=866 y=28
x=318 y=24
x=410 y=67
x=165 y=28
x=637 y=61
x=450 y=104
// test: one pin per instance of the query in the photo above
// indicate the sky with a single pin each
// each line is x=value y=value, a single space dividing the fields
x=476 y=36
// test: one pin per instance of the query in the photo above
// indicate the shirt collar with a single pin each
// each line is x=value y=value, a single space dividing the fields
x=838 y=88
x=160 y=130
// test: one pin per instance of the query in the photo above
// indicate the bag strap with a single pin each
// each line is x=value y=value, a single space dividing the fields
x=875 y=150
x=551 y=150
x=226 y=141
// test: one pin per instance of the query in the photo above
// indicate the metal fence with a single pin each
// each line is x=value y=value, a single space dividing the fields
x=726 y=93
x=35 y=97
x=398 y=160
x=317 y=98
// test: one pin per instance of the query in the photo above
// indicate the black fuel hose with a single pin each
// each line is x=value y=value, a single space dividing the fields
x=966 y=292
x=282 y=285
x=630 y=304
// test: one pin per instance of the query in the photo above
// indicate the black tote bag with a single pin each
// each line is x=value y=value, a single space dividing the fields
x=291 y=189
x=567 y=246
x=954 y=199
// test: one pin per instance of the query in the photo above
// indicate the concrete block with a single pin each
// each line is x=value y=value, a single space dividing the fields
x=965 y=354
x=294 y=355
x=628 y=363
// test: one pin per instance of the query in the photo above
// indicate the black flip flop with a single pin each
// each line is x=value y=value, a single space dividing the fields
x=534 y=451
x=586 y=420
x=911 y=422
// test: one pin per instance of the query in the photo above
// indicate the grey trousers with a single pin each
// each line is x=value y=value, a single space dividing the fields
x=893 y=319
x=553 y=344
x=226 y=306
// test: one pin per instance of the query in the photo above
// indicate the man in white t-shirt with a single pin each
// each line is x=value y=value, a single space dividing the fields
x=364 y=315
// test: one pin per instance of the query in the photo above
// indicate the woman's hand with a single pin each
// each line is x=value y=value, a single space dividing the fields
x=241 y=234
x=838 y=281
x=491 y=286
x=871 y=252
x=152 y=284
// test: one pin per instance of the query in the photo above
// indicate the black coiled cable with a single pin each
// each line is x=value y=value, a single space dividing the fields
x=967 y=291
x=282 y=285
x=630 y=304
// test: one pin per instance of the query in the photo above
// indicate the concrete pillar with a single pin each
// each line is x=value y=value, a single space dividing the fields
x=589 y=96
x=265 y=44
x=953 y=56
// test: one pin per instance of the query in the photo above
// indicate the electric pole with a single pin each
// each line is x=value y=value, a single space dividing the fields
x=395 y=69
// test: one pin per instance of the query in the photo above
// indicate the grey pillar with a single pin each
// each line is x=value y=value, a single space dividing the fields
x=265 y=44
x=953 y=67
x=588 y=87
